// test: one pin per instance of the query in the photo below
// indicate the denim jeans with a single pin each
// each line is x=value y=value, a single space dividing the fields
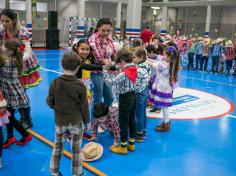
x=198 y=58
x=141 y=116
x=101 y=91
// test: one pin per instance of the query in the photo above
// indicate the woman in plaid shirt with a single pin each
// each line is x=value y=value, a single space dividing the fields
x=13 y=90
x=103 y=51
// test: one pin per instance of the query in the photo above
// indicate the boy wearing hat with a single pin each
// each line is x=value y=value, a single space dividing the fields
x=216 y=51
x=229 y=56
x=205 y=54
x=125 y=86
x=68 y=98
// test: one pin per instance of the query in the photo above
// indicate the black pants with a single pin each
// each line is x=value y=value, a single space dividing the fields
x=203 y=63
x=198 y=58
x=25 y=114
x=229 y=64
x=215 y=63
x=1 y=141
x=16 y=124
x=190 y=60
x=127 y=116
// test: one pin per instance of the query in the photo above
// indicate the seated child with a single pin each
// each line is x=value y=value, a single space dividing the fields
x=107 y=118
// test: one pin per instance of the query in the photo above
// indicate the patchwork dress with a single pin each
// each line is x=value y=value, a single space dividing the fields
x=30 y=76
x=161 y=93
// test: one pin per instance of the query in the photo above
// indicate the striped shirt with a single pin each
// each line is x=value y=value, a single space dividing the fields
x=122 y=83
x=144 y=73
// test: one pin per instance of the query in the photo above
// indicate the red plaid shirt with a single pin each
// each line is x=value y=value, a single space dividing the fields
x=103 y=48
x=230 y=53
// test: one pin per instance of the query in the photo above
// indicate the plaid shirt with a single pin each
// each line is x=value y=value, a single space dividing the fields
x=102 y=48
x=230 y=53
x=198 y=48
x=144 y=73
x=110 y=122
x=216 y=50
x=205 y=50
x=11 y=86
x=121 y=81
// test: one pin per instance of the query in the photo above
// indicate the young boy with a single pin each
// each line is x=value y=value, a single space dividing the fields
x=125 y=86
x=68 y=97
x=144 y=73
x=107 y=118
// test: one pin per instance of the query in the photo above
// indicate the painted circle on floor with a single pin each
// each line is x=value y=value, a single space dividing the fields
x=190 y=104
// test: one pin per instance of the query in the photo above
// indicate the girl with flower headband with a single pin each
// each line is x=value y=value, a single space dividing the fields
x=29 y=76
x=10 y=69
x=162 y=90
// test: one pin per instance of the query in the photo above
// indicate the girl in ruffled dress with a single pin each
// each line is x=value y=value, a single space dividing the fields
x=162 y=89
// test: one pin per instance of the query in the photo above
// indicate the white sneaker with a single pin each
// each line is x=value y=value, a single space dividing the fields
x=100 y=130
x=1 y=163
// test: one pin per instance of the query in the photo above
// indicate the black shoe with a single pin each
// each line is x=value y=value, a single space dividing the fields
x=155 y=109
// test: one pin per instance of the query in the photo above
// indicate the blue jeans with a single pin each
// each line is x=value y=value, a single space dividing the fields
x=141 y=116
x=101 y=91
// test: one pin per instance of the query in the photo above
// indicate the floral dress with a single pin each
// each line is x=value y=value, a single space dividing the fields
x=161 y=93
x=30 y=76
x=4 y=114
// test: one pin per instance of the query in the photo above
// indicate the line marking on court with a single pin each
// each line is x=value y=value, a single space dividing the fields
x=49 y=70
x=232 y=116
x=67 y=154
x=208 y=81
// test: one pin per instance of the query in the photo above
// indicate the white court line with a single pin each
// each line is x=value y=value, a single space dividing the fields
x=208 y=81
x=232 y=116
x=45 y=69
x=48 y=59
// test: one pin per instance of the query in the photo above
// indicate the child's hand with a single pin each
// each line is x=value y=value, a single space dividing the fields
x=93 y=138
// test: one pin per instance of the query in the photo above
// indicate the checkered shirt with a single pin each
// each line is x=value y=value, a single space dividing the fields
x=11 y=87
x=121 y=82
x=144 y=73
x=229 y=53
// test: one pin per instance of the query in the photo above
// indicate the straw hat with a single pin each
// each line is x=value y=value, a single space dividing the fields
x=92 y=151
x=207 y=41
x=219 y=40
x=168 y=37
x=200 y=39
x=229 y=43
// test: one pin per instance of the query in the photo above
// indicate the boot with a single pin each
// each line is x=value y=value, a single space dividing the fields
x=163 y=127
x=25 y=120
x=118 y=149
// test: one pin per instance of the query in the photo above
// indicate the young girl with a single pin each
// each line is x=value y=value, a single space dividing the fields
x=13 y=90
x=83 y=49
x=162 y=89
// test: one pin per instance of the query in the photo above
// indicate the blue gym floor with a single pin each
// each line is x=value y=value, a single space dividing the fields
x=190 y=148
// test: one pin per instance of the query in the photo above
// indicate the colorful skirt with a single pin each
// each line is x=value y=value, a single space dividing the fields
x=30 y=76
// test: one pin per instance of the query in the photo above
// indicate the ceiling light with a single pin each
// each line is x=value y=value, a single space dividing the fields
x=155 y=8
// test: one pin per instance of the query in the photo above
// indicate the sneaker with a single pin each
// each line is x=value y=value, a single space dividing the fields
x=23 y=141
x=87 y=136
x=100 y=130
x=131 y=147
x=1 y=166
x=118 y=149
x=155 y=109
x=139 y=138
x=9 y=142
x=144 y=135
x=57 y=174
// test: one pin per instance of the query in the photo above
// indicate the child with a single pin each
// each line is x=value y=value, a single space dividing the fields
x=125 y=86
x=107 y=117
x=3 y=120
x=83 y=49
x=144 y=73
x=152 y=53
x=13 y=90
x=162 y=90
x=67 y=96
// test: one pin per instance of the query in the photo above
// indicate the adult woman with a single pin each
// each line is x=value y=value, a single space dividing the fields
x=103 y=52
x=30 y=77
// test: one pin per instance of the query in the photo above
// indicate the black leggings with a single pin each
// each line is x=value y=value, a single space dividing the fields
x=16 y=124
